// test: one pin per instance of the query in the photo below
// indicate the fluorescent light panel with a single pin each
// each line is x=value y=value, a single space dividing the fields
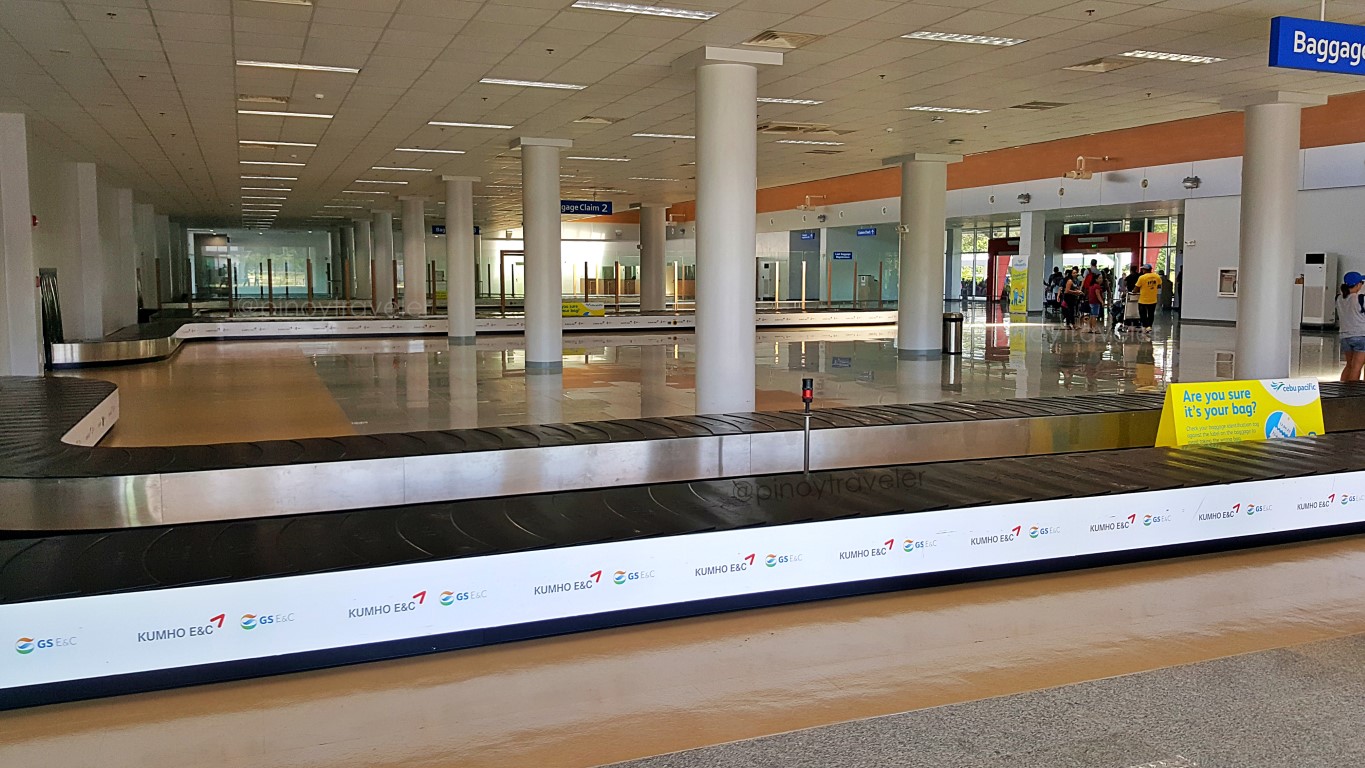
x=266 y=189
x=362 y=192
x=377 y=181
x=1183 y=58
x=951 y=110
x=808 y=141
x=269 y=162
x=450 y=124
x=270 y=113
x=953 y=37
x=600 y=159
x=531 y=84
x=805 y=102
x=278 y=143
x=434 y=151
x=262 y=197
x=649 y=178
x=343 y=206
x=396 y=168
x=664 y=135
x=304 y=67
x=272 y=178
x=644 y=10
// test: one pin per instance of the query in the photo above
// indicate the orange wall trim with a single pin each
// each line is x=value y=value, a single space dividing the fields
x=1340 y=121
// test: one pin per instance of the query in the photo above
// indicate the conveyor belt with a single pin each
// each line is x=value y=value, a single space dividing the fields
x=49 y=484
x=341 y=581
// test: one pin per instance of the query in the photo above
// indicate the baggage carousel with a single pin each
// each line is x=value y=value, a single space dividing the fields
x=127 y=607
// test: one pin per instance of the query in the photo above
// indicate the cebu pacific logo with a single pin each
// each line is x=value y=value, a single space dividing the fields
x=25 y=646
x=249 y=621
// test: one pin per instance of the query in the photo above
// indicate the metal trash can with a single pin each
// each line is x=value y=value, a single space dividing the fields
x=952 y=333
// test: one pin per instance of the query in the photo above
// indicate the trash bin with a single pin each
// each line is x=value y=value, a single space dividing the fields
x=952 y=333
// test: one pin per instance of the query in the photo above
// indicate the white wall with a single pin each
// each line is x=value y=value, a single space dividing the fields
x=1211 y=243
x=55 y=200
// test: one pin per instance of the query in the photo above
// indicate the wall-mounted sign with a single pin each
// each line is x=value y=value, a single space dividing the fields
x=867 y=231
x=476 y=229
x=841 y=362
x=1317 y=46
x=580 y=207
x=807 y=235
x=438 y=229
x=843 y=255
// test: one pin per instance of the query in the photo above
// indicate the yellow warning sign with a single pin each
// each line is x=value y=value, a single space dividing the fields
x=1229 y=411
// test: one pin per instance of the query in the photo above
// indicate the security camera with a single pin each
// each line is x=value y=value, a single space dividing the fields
x=1190 y=182
x=1025 y=198
x=902 y=229
x=822 y=218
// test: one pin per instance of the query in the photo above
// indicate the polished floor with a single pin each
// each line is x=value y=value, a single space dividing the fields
x=623 y=694
x=258 y=390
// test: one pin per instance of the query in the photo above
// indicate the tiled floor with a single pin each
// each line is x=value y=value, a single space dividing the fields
x=215 y=392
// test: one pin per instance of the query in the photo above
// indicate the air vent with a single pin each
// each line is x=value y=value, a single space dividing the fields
x=825 y=152
x=262 y=99
x=1102 y=65
x=790 y=129
x=595 y=120
x=787 y=40
x=1039 y=105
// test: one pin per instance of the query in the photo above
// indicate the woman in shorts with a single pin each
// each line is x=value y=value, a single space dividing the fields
x=1351 y=321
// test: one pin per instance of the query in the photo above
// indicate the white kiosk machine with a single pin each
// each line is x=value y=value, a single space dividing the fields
x=1319 y=289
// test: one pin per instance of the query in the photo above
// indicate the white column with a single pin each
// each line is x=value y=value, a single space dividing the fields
x=88 y=321
x=20 y=342
x=653 y=246
x=544 y=271
x=460 y=257
x=727 y=148
x=924 y=202
x=163 y=259
x=362 y=258
x=1033 y=252
x=383 y=261
x=348 y=261
x=1265 y=278
x=144 y=228
x=414 y=255
x=121 y=300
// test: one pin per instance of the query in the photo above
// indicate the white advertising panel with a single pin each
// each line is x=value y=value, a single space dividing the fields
x=90 y=637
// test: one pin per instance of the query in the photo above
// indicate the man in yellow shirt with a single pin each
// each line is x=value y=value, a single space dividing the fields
x=1149 y=291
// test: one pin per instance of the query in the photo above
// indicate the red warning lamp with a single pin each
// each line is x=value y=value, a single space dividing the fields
x=807 y=391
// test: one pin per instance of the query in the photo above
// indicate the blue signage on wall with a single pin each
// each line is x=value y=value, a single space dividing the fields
x=867 y=232
x=843 y=255
x=579 y=207
x=438 y=229
x=807 y=235
x=1317 y=46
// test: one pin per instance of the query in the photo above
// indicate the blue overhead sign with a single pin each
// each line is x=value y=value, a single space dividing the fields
x=580 y=207
x=867 y=232
x=438 y=229
x=807 y=235
x=843 y=255
x=1317 y=46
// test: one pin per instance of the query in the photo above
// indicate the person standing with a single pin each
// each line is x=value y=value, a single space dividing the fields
x=1071 y=298
x=1149 y=292
x=1351 y=322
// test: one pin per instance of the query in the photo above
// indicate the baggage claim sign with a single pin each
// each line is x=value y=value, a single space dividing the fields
x=1317 y=46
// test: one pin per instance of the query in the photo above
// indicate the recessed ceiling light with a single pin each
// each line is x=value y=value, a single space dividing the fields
x=600 y=159
x=278 y=143
x=269 y=113
x=531 y=84
x=953 y=37
x=267 y=189
x=305 y=67
x=273 y=178
x=953 y=110
x=396 y=168
x=1183 y=58
x=806 y=102
x=644 y=10
x=649 y=178
x=433 y=151
x=262 y=197
x=664 y=135
x=269 y=162
x=377 y=181
x=808 y=141
x=450 y=124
